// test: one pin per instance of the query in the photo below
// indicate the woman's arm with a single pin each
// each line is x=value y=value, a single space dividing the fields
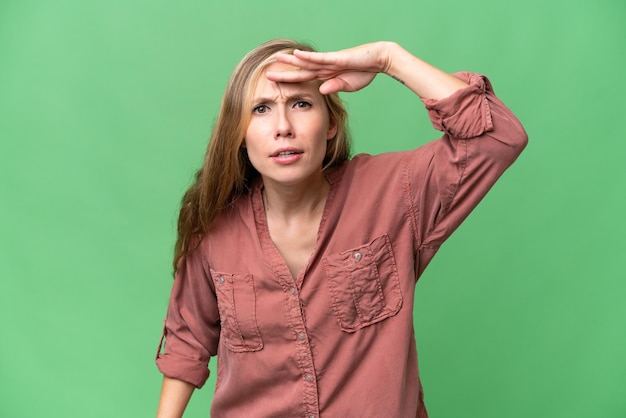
x=422 y=78
x=355 y=68
x=190 y=334
x=175 y=395
x=447 y=178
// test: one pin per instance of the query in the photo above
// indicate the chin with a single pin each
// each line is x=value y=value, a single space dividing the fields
x=293 y=179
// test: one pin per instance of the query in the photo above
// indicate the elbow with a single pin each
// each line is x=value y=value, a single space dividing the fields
x=519 y=142
x=504 y=149
x=511 y=140
x=507 y=130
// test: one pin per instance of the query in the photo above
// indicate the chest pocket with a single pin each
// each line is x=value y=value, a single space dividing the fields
x=237 y=306
x=364 y=284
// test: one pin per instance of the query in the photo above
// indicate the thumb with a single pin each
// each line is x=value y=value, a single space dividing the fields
x=347 y=82
x=335 y=85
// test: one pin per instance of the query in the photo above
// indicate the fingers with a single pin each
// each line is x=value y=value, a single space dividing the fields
x=290 y=59
x=305 y=64
x=346 y=70
x=309 y=60
x=325 y=58
x=305 y=70
x=332 y=83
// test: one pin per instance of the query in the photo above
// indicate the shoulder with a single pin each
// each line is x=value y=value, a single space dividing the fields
x=389 y=162
x=367 y=172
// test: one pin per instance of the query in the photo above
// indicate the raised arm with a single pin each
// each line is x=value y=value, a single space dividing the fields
x=447 y=178
x=353 y=69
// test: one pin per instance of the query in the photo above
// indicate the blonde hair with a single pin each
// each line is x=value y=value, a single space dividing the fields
x=226 y=172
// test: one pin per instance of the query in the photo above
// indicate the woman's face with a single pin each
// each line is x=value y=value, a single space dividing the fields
x=288 y=131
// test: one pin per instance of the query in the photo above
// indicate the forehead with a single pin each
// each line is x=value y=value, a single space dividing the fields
x=266 y=88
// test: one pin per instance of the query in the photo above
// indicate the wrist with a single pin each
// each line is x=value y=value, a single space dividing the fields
x=390 y=54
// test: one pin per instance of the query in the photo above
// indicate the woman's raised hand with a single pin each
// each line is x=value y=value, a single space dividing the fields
x=355 y=68
x=346 y=70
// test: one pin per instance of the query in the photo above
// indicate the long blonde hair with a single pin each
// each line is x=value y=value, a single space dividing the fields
x=226 y=172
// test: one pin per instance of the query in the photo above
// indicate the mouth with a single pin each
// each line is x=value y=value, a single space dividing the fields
x=286 y=156
x=286 y=153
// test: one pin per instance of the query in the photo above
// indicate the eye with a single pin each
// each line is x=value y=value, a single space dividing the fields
x=302 y=104
x=260 y=109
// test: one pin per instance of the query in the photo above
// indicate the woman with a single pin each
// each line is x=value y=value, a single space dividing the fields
x=296 y=265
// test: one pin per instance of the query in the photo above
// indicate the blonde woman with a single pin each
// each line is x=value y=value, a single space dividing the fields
x=296 y=264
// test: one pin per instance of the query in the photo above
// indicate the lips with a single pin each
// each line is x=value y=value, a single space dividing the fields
x=286 y=152
x=285 y=156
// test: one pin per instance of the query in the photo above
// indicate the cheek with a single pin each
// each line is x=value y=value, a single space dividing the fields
x=325 y=129
x=252 y=135
x=249 y=146
x=252 y=151
x=254 y=159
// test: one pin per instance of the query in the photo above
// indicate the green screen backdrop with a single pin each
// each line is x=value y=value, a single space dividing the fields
x=105 y=110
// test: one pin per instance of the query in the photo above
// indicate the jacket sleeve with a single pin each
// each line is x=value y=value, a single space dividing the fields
x=449 y=176
x=192 y=327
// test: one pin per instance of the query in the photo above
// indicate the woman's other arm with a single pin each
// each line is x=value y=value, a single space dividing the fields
x=175 y=395
x=190 y=334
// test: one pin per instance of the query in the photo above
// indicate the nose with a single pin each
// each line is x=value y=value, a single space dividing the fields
x=283 y=125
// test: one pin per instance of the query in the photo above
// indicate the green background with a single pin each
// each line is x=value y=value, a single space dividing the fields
x=105 y=110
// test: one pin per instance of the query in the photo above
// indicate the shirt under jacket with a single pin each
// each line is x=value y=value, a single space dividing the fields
x=338 y=340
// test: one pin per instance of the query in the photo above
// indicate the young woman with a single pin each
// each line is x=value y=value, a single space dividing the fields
x=296 y=265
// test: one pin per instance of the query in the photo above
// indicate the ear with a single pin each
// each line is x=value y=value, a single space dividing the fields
x=332 y=129
x=243 y=143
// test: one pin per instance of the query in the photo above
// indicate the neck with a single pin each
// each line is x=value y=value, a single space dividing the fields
x=296 y=201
